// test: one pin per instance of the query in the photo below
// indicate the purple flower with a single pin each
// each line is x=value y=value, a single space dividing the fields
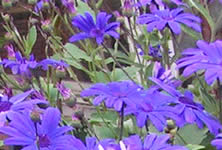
x=21 y=65
x=151 y=142
x=10 y=50
x=169 y=18
x=91 y=144
x=153 y=107
x=191 y=111
x=114 y=94
x=218 y=141
x=155 y=52
x=37 y=136
x=65 y=92
x=40 y=5
x=44 y=64
x=94 y=30
x=164 y=76
x=16 y=103
x=206 y=57
x=69 y=4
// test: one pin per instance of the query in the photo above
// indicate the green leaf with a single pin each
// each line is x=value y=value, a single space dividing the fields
x=119 y=75
x=83 y=7
x=194 y=147
x=195 y=35
x=30 y=40
x=186 y=134
x=204 y=12
x=75 y=52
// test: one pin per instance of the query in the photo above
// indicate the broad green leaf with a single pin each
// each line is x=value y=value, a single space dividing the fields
x=195 y=147
x=30 y=40
x=83 y=7
x=75 y=53
x=190 y=134
x=119 y=75
x=195 y=35
x=203 y=11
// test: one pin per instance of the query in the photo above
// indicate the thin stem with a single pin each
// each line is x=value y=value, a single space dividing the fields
x=137 y=53
x=118 y=63
x=121 y=122
x=220 y=99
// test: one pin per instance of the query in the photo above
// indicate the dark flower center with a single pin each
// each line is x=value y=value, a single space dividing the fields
x=5 y=106
x=96 y=32
x=43 y=141
x=190 y=103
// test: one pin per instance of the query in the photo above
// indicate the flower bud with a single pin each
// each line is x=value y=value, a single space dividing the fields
x=6 y=3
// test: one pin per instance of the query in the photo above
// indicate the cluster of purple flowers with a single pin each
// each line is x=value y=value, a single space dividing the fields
x=23 y=66
x=157 y=105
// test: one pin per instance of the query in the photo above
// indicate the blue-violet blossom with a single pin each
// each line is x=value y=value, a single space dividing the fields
x=20 y=65
x=217 y=141
x=206 y=57
x=97 y=30
x=35 y=135
x=151 y=142
x=169 y=18
x=114 y=94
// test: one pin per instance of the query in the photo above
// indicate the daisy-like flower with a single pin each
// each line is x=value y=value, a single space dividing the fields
x=69 y=4
x=44 y=64
x=41 y=4
x=65 y=92
x=172 y=19
x=94 y=30
x=114 y=94
x=154 y=107
x=16 y=103
x=151 y=142
x=191 y=111
x=91 y=144
x=20 y=65
x=206 y=57
x=217 y=142
x=165 y=76
x=43 y=135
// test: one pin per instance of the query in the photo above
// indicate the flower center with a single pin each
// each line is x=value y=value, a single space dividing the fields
x=189 y=103
x=43 y=141
x=96 y=32
x=5 y=106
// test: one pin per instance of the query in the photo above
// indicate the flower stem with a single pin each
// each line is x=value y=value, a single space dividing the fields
x=124 y=71
x=121 y=122
x=220 y=99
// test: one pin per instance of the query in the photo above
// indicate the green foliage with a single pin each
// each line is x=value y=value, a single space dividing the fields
x=30 y=40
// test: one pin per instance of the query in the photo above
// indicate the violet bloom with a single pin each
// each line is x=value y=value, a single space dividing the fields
x=169 y=18
x=217 y=142
x=114 y=94
x=37 y=136
x=40 y=5
x=155 y=52
x=21 y=65
x=191 y=111
x=44 y=64
x=69 y=4
x=65 y=92
x=151 y=142
x=153 y=107
x=158 y=2
x=10 y=50
x=16 y=103
x=206 y=57
x=164 y=76
x=94 y=30
x=91 y=144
